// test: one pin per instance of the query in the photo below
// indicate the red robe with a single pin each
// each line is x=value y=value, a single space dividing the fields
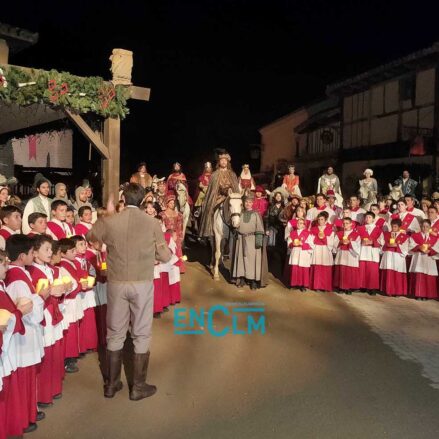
x=346 y=277
x=423 y=279
x=300 y=274
x=322 y=266
x=88 y=333
x=71 y=335
x=58 y=231
x=26 y=376
x=81 y=229
x=369 y=269
x=50 y=373
x=393 y=282
x=261 y=206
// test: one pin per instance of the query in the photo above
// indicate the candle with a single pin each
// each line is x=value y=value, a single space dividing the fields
x=104 y=265
x=57 y=282
x=297 y=242
x=5 y=316
x=90 y=281
x=42 y=284
x=66 y=279
x=392 y=241
x=321 y=235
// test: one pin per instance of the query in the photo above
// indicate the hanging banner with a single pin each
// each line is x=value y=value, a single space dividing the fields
x=51 y=149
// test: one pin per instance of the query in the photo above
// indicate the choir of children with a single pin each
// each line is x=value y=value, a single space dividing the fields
x=46 y=315
x=395 y=253
x=53 y=306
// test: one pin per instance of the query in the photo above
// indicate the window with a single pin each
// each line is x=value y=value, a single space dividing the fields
x=408 y=88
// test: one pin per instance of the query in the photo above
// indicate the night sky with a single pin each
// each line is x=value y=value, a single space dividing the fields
x=221 y=69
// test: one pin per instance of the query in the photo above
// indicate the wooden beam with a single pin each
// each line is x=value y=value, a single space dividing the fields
x=88 y=133
x=112 y=164
x=140 y=93
x=4 y=52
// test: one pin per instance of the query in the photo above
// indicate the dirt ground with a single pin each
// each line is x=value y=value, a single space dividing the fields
x=318 y=372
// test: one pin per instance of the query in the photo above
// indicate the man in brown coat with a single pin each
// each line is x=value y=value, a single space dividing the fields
x=134 y=241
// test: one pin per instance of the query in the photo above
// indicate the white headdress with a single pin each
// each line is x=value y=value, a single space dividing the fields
x=368 y=171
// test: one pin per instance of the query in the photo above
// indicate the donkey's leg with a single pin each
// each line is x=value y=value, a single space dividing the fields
x=211 y=240
x=217 y=256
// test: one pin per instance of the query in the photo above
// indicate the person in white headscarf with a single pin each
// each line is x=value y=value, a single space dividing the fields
x=61 y=194
x=368 y=189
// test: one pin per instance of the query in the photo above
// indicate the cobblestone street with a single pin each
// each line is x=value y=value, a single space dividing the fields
x=410 y=327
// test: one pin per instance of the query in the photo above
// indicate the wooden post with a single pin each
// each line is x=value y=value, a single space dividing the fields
x=112 y=164
x=4 y=52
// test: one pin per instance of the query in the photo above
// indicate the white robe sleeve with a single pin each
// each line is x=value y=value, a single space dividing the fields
x=355 y=247
x=381 y=241
x=63 y=272
x=404 y=247
x=330 y=242
x=19 y=289
x=7 y=335
x=414 y=225
x=411 y=246
x=335 y=244
x=310 y=242
x=2 y=243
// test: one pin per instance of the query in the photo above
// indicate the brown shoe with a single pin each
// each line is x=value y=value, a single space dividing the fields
x=140 y=389
x=114 y=366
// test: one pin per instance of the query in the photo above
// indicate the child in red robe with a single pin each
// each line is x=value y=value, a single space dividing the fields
x=37 y=224
x=88 y=335
x=393 y=265
x=10 y=217
x=372 y=240
x=57 y=227
x=50 y=374
x=30 y=345
x=301 y=243
x=347 y=246
x=13 y=407
x=423 y=269
x=97 y=258
x=322 y=259
x=85 y=218
x=74 y=312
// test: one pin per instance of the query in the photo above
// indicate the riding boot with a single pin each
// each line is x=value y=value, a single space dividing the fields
x=140 y=389
x=114 y=366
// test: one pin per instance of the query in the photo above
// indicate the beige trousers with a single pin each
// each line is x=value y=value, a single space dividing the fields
x=129 y=305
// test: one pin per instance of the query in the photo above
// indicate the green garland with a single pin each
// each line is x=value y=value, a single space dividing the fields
x=64 y=90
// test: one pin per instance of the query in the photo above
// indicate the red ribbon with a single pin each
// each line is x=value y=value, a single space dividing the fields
x=32 y=147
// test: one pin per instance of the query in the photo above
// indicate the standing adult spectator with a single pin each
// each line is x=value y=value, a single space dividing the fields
x=134 y=242
x=40 y=203
x=408 y=185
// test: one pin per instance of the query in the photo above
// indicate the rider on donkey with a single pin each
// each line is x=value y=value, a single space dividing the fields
x=221 y=181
